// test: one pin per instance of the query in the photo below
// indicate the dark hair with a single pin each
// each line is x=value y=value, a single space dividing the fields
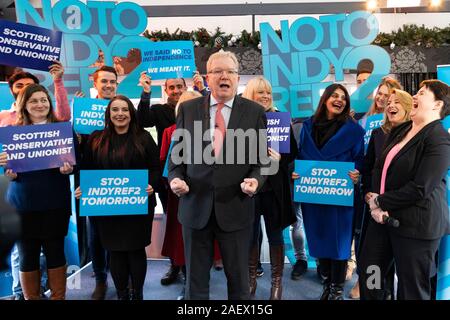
x=21 y=75
x=441 y=92
x=105 y=69
x=363 y=71
x=321 y=112
x=23 y=117
x=101 y=142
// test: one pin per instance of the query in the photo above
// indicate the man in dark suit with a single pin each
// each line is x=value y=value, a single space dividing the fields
x=216 y=196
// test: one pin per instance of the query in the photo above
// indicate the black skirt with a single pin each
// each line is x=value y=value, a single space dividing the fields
x=44 y=224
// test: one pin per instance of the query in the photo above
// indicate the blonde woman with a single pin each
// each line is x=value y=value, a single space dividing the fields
x=273 y=201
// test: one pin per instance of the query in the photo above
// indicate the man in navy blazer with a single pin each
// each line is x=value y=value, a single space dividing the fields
x=216 y=188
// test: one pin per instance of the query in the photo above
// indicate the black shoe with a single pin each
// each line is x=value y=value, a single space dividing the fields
x=136 y=294
x=19 y=296
x=171 y=276
x=123 y=295
x=336 y=292
x=299 y=269
x=259 y=270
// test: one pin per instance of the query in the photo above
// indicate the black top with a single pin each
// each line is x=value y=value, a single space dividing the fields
x=374 y=150
x=415 y=187
x=129 y=232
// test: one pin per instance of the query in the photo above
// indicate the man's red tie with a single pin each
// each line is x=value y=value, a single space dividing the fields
x=219 y=130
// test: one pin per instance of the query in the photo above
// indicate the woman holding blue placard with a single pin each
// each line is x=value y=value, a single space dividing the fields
x=408 y=204
x=123 y=144
x=44 y=221
x=331 y=135
x=273 y=200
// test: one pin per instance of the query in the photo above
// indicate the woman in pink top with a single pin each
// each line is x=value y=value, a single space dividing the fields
x=409 y=186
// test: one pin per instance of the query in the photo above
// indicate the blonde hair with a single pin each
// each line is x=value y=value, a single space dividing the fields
x=406 y=101
x=222 y=54
x=185 y=96
x=391 y=84
x=257 y=84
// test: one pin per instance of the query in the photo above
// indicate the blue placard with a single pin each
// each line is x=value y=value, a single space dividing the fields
x=113 y=192
x=165 y=173
x=279 y=131
x=28 y=46
x=369 y=124
x=88 y=114
x=443 y=73
x=38 y=147
x=168 y=59
x=1 y=168
x=324 y=182
x=6 y=98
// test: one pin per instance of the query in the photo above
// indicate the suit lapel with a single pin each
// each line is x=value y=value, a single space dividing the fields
x=236 y=113
x=203 y=114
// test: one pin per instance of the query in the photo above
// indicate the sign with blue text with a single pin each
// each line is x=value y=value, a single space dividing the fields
x=369 y=124
x=113 y=192
x=298 y=61
x=28 y=46
x=324 y=182
x=38 y=147
x=279 y=131
x=168 y=59
x=88 y=114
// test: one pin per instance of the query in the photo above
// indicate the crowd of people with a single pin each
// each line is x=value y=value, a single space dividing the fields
x=214 y=207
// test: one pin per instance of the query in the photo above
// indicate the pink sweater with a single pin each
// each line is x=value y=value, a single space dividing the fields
x=62 y=108
x=387 y=162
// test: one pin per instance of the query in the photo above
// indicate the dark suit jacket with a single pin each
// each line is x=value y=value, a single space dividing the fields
x=415 y=189
x=217 y=185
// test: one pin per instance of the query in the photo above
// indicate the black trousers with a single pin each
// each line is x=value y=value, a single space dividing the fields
x=30 y=251
x=199 y=254
x=128 y=264
x=414 y=262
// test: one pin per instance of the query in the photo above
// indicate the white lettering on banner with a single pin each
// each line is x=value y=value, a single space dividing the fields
x=324 y=190
x=324 y=181
x=48 y=153
x=35 y=135
x=109 y=201
x=90 y=122
x=277 y=130
x=277 y=138
x=124 y=191
x=26 y=35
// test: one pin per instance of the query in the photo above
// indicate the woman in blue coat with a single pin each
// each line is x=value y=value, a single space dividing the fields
x=331 y=135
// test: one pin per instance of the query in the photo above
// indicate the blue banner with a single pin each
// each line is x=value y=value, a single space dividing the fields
x=279 y=131
x=6 y=98
x=88 y=114
x=297 y=59
x=324 y=182
x=113 y=192
x=443 y=73
x=23 y=45
x=369 y=124
x=1 y=168
x=38 y=147
x=443 y=274
x=168 y=59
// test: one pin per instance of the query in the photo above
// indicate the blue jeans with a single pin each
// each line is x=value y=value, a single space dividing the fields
x=298 y=234
x=16 y=287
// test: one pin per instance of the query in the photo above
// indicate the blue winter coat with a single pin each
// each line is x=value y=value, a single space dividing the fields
x=328 y=228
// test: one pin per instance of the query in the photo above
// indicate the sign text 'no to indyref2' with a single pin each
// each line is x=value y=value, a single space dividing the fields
x=297 y=62
x=369 y=124
x=168 y=59
x=27 y=46
x=113 y=192
x=279 y=131
x=89 y=114
x=87 y=27
x=38 y=147
x=324 y=182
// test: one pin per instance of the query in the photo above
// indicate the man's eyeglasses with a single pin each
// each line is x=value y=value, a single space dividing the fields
x=220 y=72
